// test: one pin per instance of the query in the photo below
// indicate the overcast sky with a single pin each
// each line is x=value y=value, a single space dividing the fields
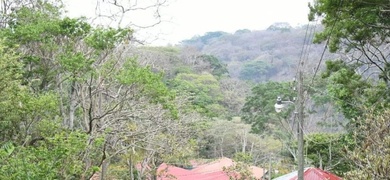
x=184 y=19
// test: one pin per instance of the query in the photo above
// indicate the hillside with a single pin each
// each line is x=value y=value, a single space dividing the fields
x=262 y=55
x=77 y=100
x=80 y=100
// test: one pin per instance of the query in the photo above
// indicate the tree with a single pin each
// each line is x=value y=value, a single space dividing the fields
x=32 y=144
x=206 y=38
x=204 y=91
x=53 y=157
x=234 y=94
x=257 y=71
x=10 y=92
x=351 y=92
x=327 y=151
x=259 y=105
x=280 y=26
x=360 y=79
x=234 y=139
x=371 y=153
x=359 y=28
x=77 y=101
x=239 y=171
x=217 y=68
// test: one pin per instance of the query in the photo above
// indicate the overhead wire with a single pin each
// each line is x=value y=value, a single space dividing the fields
x=305 y=57
x=311 y=36
x=318 y=67
x=305 y=54
x=325 y=48
x=323 y=52
x=326 y=43
x=303 y=50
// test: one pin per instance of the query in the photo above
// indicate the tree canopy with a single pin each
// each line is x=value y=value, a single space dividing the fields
x=80 y=100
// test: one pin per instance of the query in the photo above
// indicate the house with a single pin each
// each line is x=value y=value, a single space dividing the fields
x=207 y=171
x=311 y=174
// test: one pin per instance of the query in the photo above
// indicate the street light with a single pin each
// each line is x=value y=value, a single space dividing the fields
x=279 y=105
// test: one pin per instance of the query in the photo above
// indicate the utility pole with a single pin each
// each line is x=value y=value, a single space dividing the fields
x=270 y=168
x=300 y=107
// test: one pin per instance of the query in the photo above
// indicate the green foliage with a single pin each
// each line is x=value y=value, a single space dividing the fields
x=217 y=68
x=163 y=49
x=74 y=28
x=10 y=91
x=41 y=26
x=51 y=41
x=150 y=84
x=243 y=157
x=358 y=21
x=183 y=69
x=356 y=26
x=351 y=93
x=239 y=171
x=101 y=39
x=346 y=87
x=371 y=155
x=328 y=151
x=256 y=70
x=177 y=153
x=233 y=139
x=242 y=31
x=207 y=37
x=33 y=25
x=6 y=149
x=18 y=107
x=30 y=24
x=55 y=157
x=281 y=26
x=278 y=50
x=17 y=104
x=76 y=63
x=56 y=70
x=259 y=106
x=204 y=92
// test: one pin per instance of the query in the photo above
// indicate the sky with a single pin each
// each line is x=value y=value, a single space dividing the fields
x=183 y=19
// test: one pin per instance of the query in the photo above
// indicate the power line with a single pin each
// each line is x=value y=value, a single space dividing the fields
x=303 y=50
x=300 y=103
x=311 y=36
x=327 y=42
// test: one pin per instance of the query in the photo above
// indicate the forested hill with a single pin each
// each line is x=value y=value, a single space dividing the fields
x=80 y=101
x=261 y=55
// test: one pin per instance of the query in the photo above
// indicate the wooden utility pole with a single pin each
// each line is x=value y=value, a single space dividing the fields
x=270 y=168
x=300 y=107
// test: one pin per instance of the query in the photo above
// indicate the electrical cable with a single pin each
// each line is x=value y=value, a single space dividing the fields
x=327 y=43
x=301 y=65
x=303 y=50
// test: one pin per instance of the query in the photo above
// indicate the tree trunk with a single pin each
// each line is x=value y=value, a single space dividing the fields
x=72 y=105
x=60 y=91
x=103 y=173
x=244 y=141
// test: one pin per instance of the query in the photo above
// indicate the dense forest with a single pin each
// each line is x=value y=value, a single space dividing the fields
x=80 y=99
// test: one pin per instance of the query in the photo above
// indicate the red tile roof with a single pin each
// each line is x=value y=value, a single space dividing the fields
x=217 y=165
x=209 y=171
x=167 y=172
x=312 y=174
